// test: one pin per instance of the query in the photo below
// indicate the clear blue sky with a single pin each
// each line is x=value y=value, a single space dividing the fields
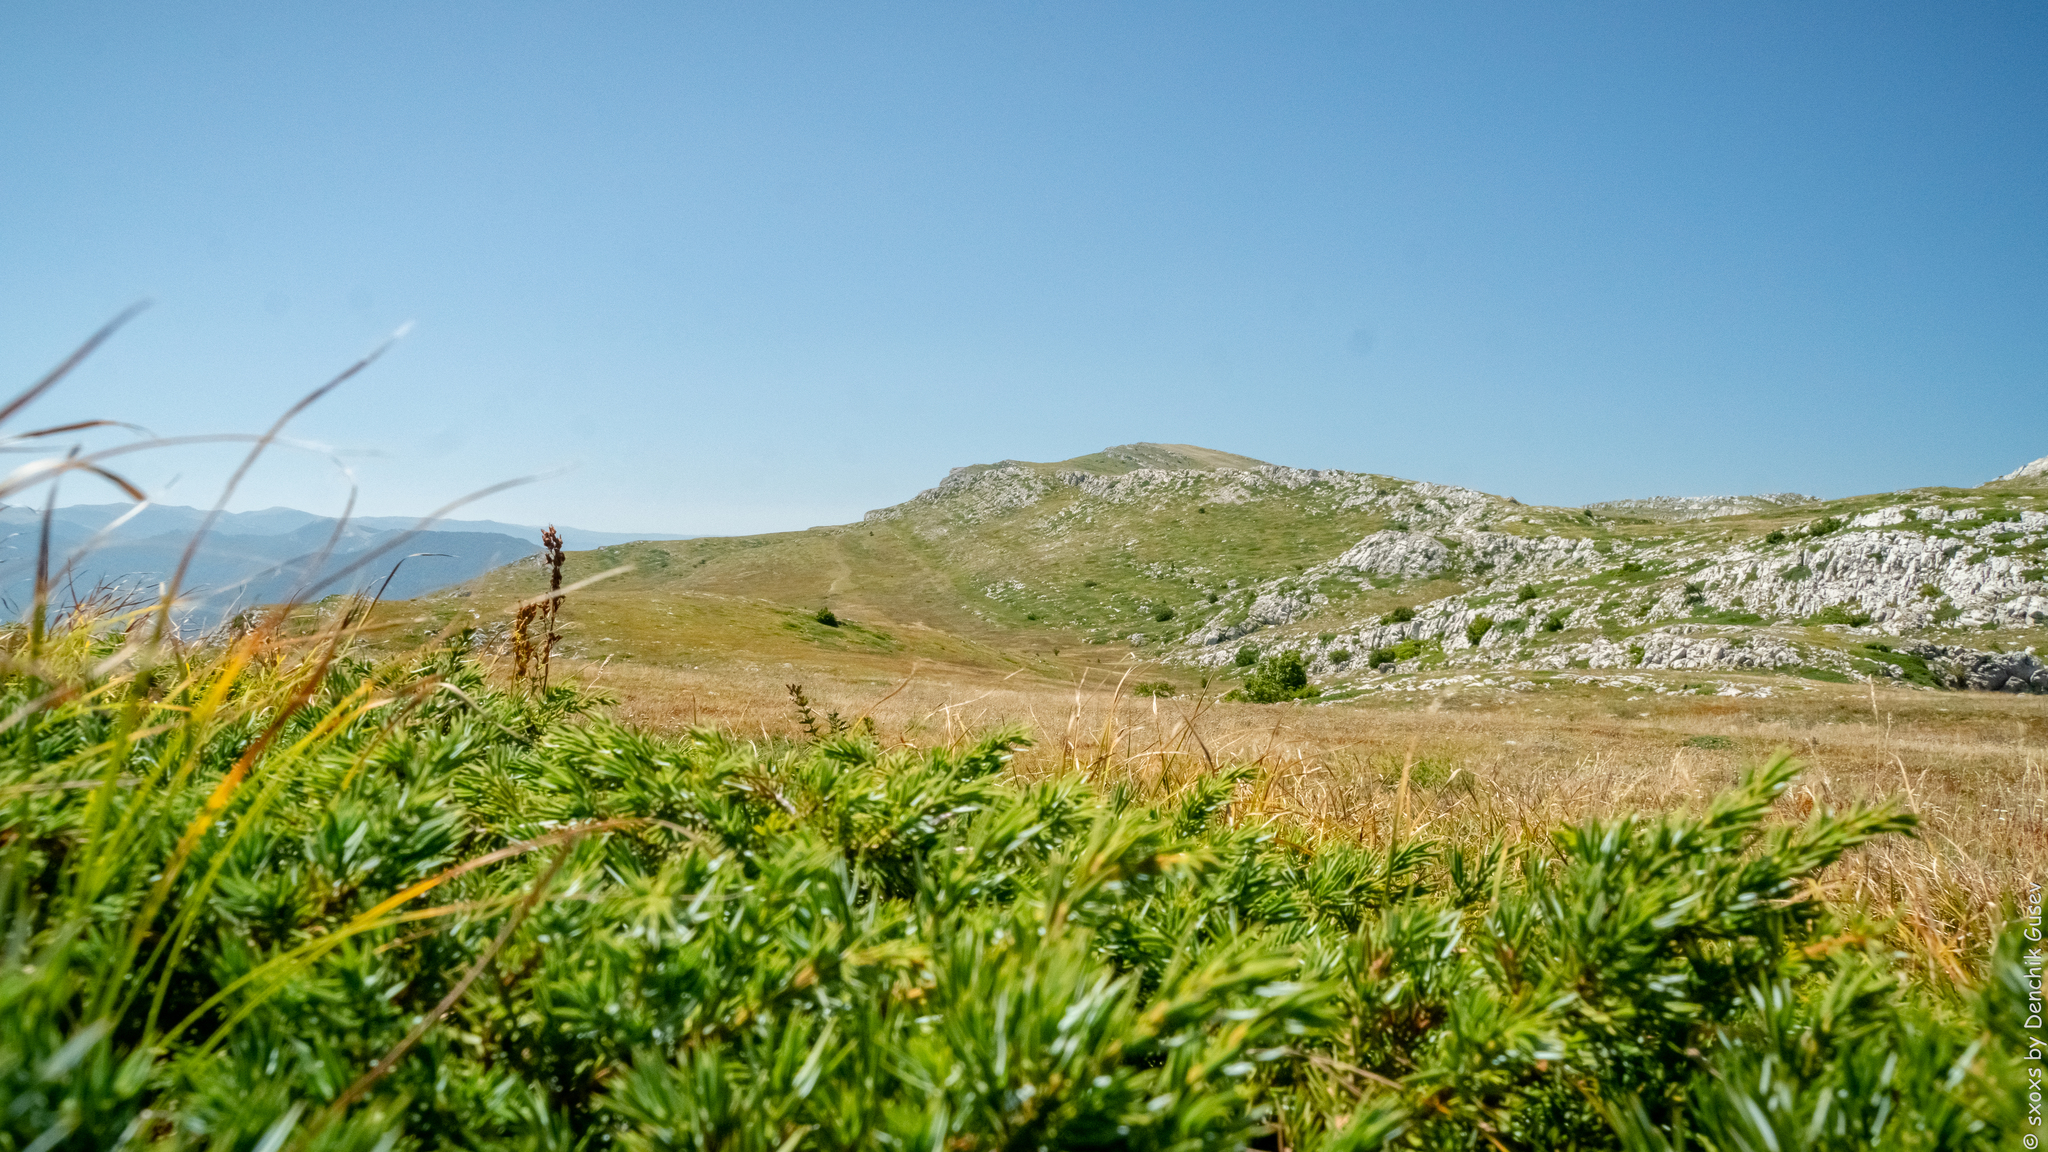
x=764 y=266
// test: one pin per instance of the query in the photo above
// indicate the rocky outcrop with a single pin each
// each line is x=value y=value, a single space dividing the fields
x=1417 y=555
x=1682 y=508
x=1688 y=602
x=1397 y=554
x=2027 y=471
x=1900 y=579
x=1683 y=647
x=1984 y=671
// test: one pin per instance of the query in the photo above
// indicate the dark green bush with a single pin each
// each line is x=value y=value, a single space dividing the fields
x=1408 y=649
x=1163 y=615
x=1278 y=678
x=1912 y=669
x=1340 y=656
x=1154 y=688
x=1477 y=629
x=1555 y=622
x=824 y=616
x=1400 y=615
x=1526 y=593
x=1850 y=614
x=1247 y=656
x=1775 y=536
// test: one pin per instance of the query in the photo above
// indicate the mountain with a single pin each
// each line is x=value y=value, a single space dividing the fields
x=257 y=557
x=1186 y=556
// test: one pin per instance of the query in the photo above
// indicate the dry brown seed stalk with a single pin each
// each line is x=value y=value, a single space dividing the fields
x=551 y=543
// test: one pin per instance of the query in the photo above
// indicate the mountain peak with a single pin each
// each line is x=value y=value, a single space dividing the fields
x=1122 y=458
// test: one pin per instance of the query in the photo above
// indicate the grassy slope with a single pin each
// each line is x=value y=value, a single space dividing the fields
x=1088 y=567
x=1032 y=587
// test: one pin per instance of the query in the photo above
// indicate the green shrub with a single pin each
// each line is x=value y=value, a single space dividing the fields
x=1408 y=649
x=1795 y=573
x=1163 y=615
x=1154 y=688
x=1278 y=678
x=1340 y=656
x=1851 y=614
x=1400 y=615
x=1775 y=536
x=1826 y=525
x=1931 y=592
x=824 y=616
x=1710 y=743
x=1555 y=622
x=1526 y=593
x=1247 y=656
x=1477 y=629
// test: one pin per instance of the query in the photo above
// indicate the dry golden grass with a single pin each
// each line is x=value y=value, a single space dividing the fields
x=1487 y=763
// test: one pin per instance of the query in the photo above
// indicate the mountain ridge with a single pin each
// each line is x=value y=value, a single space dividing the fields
x=1375 y=580
x=256 y=557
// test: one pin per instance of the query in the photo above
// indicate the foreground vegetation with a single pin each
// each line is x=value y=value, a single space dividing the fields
x=265 y=894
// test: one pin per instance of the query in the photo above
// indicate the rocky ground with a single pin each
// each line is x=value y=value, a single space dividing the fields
x=1937 y=587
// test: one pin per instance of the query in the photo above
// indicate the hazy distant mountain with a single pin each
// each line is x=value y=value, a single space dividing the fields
x=252 y=558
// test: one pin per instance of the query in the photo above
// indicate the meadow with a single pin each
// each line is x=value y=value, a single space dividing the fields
x=1487 y=762
x=265 y=892
x=342 y=875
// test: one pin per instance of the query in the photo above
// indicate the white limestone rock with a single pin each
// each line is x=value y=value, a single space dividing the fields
x=2027 y=471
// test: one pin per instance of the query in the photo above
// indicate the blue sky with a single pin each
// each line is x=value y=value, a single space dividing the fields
x=753 y=267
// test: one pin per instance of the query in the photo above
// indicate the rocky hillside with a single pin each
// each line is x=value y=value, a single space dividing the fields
x=1936 y=586
x=1196 y=558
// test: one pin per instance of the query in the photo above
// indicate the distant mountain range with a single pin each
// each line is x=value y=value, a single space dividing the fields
x=251 y=558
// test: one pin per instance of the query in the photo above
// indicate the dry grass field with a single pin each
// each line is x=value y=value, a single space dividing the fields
x=1509 y=759
x=1478 y=762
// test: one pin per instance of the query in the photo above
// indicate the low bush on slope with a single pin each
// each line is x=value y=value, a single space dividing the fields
x=258 y=898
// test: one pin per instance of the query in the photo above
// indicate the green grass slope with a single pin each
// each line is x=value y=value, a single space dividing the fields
x=1022 y=564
